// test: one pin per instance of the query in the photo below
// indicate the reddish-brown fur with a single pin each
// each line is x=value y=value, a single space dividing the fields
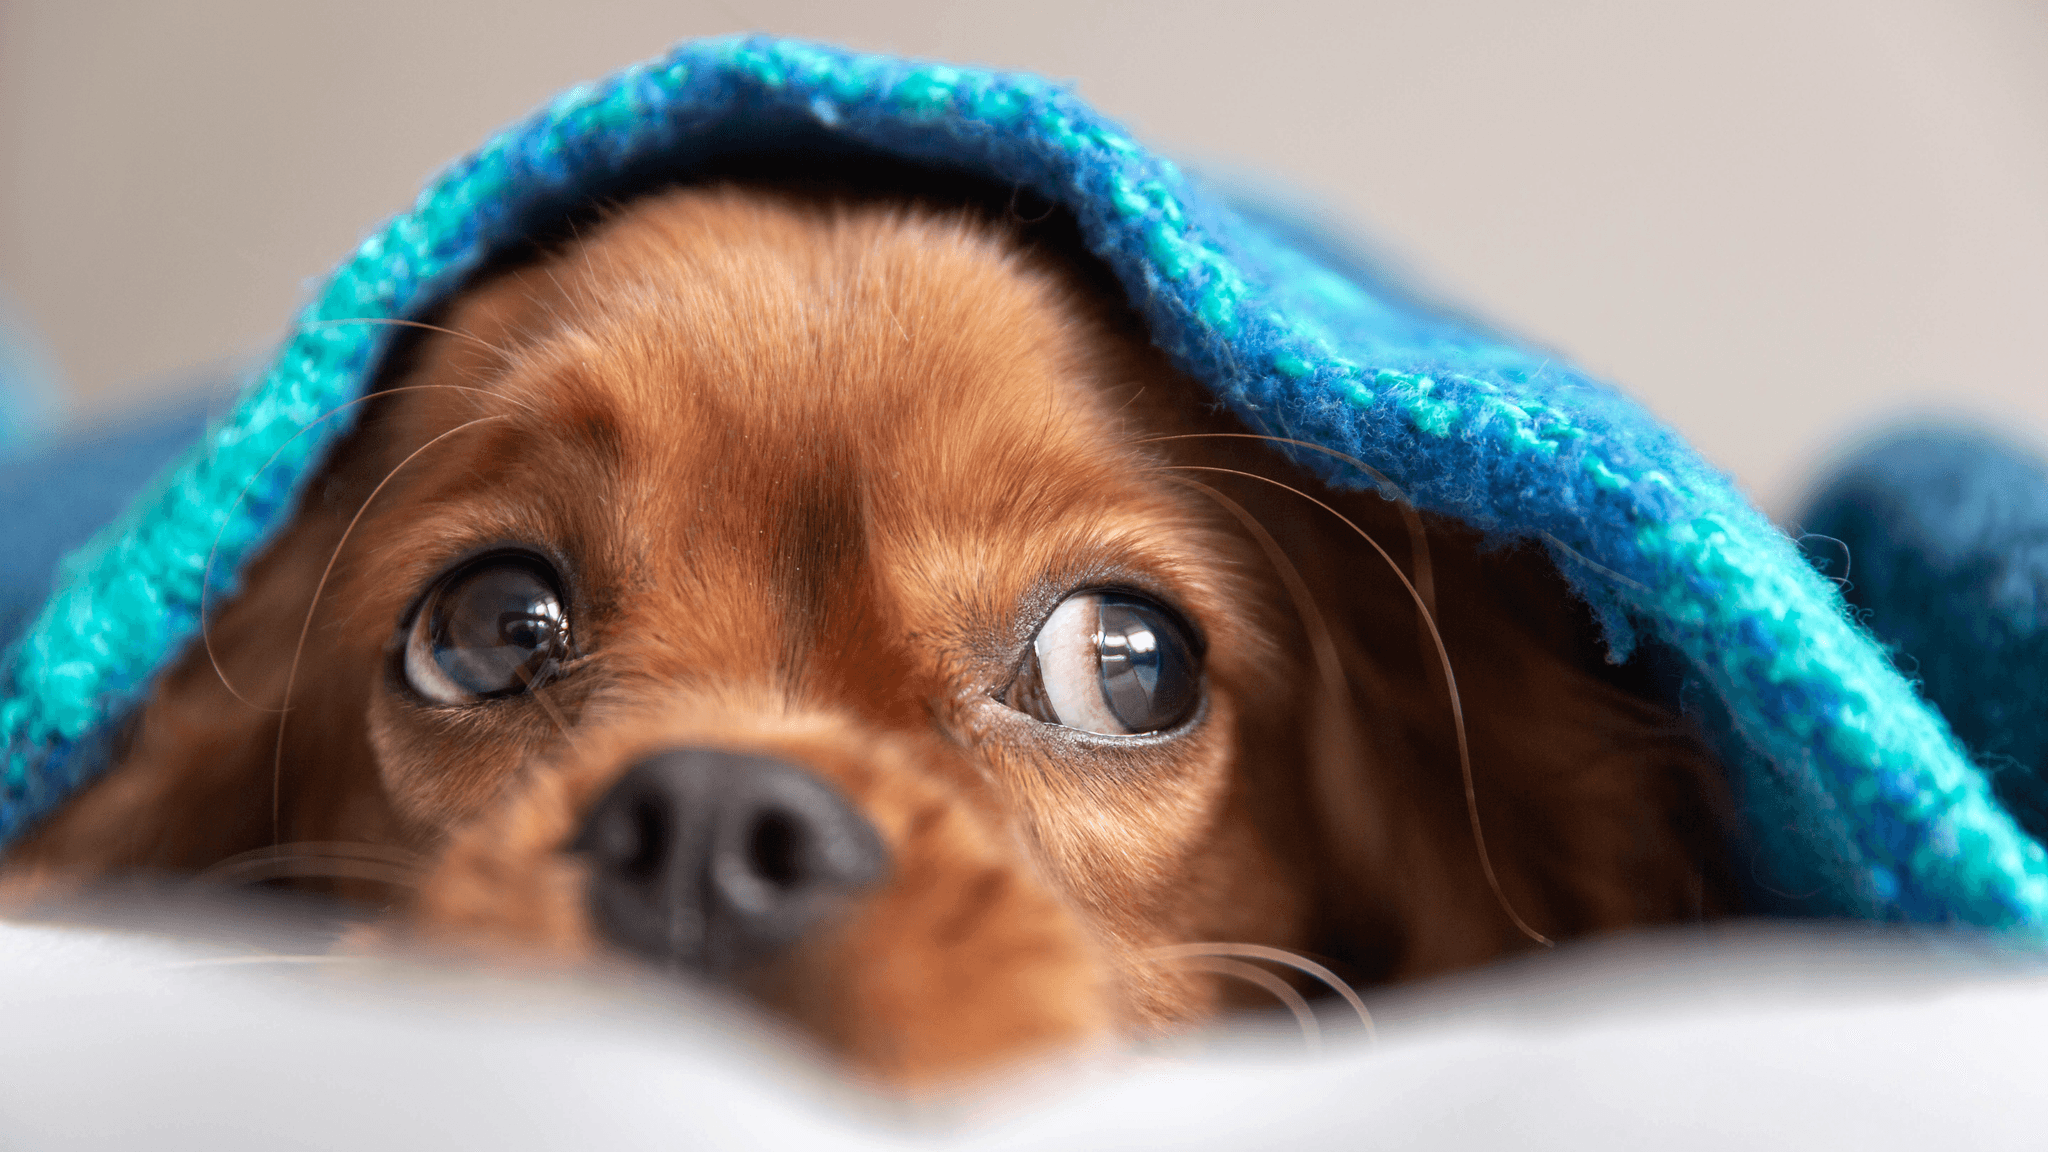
x=815 y=469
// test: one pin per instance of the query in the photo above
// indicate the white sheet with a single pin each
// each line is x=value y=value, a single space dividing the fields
x=1808 y=1038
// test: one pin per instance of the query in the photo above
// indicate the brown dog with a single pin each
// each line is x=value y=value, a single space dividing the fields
x=841 y=600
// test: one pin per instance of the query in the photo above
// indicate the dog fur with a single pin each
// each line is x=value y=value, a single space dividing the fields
x=813 y=469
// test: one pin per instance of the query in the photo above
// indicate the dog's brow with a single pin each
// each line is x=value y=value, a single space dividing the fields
x=594 y=428
x=582 y=412
x=822 y=550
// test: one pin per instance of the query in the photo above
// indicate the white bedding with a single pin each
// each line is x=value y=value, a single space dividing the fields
x=1781 y=1037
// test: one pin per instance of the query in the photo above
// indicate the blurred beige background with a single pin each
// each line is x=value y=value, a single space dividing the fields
x=1776 y=221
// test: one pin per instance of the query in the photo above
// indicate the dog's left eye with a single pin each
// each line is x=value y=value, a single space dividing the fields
x=493 y=627
x=1112 y=663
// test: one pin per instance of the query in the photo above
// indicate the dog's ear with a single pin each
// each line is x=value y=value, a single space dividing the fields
x=258 y=732
x=198 y=770
x=1579 y=803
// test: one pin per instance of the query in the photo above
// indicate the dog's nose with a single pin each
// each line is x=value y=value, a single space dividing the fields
x=709 y=860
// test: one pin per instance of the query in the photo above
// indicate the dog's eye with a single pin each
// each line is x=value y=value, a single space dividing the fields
x=493 y=627
x=1111 y=663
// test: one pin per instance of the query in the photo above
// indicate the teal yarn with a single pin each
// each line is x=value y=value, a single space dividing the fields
x=1940 y=537
x=1857 y=799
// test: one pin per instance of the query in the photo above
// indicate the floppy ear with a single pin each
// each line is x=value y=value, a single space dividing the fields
x=198 y=770
x=212 y=763
x=1581 y=801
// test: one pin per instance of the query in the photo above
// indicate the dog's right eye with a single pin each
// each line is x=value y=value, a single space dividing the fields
x=493 y=627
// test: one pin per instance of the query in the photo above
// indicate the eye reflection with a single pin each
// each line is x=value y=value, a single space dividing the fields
x=492 y=627
x=1112 y=663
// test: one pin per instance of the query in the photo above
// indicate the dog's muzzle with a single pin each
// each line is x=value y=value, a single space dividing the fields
x=710 y=861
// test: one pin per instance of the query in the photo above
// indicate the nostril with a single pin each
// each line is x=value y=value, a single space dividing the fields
x=713 y=860
x=651 y=833
x=786 y=848
x=775 y=849
x=631 y=835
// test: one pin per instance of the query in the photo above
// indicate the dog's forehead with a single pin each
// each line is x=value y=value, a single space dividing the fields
x=730 y=398
x=745 y=343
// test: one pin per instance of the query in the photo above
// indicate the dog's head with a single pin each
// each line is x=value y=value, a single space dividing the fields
x=842 y=601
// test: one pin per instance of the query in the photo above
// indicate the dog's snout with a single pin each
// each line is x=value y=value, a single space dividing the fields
x=710 y=860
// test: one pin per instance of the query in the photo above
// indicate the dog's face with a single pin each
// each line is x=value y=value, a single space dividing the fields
x=838 y=601
x=846 y=494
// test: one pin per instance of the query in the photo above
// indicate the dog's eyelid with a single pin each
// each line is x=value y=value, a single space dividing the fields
x=449 y=558
x=1160 y=599
x=1038 y=606
x=427 y=563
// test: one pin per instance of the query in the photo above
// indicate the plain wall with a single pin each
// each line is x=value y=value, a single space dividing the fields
x=1776 y=221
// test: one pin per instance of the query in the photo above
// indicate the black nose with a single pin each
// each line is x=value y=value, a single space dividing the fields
x=710 y=861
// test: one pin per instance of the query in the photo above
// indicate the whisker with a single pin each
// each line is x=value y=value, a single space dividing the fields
x=1450 y=682
x=1595 y=565
x=206 y=577
x=306 y=867
x=354 y=849
x=395 y=323
x=1328 y=664
x=554 y=713
x=1281 y=956
x=1418 y=538
x=299 y=650
x=309 y=858
x=1334 y=757
x=1281 y=990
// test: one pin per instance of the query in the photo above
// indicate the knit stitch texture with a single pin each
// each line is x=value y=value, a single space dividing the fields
x=1858 y=799
x=1939 y=538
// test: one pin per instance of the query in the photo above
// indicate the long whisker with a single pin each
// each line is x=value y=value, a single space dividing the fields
x=311 y=866
x=1450 y=682
x=206 y=578
x=1282 y=956
x=358 y=849
x=1332 y=764
x=1328 y=663
x=1595 y=565
x=389 y=863
x=1304 y=1016
x=1418 y=538
x=390 y=322
x=299 y=650
x=554 y=713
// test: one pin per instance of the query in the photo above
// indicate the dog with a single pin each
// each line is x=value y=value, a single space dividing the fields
x=832 y=595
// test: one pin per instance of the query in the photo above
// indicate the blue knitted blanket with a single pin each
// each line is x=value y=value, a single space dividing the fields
x=1857 y=798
